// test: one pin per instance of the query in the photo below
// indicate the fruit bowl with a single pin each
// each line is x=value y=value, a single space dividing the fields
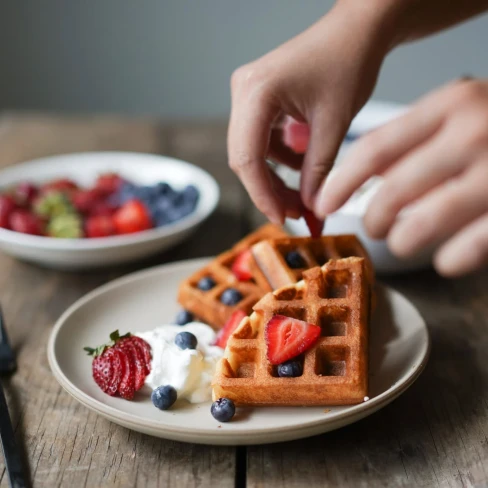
x=84 y=169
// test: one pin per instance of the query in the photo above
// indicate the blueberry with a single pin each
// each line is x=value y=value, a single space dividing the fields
x=164 y=189
x=295 y=260
x=190 y=194
x=163 y=397
x=290 y=369
x=231 y=296
x=223 y=409
x=206 y=283
x=186 y=340
x=183 y=317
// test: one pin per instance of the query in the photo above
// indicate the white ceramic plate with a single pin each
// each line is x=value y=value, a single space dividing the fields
x=143 y=300
x=84 y=168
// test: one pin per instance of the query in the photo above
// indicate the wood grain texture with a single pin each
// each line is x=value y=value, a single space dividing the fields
x=64 y=443
x=435 y=435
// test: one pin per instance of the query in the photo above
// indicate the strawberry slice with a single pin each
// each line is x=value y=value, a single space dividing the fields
x=229 y=327
x=315 y=226
x=118 y=370
x=241 y=267
x=137 y=356
x=103 y=371
x=127 y=383
x=287 y=338
x=296 y=135
x=145 y=349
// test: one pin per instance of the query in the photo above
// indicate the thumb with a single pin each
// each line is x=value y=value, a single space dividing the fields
x=326 y=135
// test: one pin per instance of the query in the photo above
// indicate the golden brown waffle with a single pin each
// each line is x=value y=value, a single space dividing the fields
x=271 y=269
x=335 y=369
x=206 y=305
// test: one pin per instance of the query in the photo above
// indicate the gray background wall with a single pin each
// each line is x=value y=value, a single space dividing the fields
x=173 y=58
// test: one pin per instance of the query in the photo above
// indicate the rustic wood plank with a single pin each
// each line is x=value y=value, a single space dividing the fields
x=433 y=435
x=64 y=443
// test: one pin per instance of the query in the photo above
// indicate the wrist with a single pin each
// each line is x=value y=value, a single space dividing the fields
x=378 y=21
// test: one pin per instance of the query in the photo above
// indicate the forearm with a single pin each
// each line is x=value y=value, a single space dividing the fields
x=406 y=20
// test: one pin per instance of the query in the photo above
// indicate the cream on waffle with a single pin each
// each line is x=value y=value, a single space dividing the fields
x=335 y=369
x=270 y=267
x=206 y=305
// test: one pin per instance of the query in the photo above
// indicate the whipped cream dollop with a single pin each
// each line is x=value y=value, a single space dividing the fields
x=189 y=371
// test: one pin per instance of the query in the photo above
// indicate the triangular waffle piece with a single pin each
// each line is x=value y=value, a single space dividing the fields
x=335 y=369
x=206 y=305
x=271 y=269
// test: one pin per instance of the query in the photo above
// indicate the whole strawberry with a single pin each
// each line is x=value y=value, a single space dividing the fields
x=121 y=366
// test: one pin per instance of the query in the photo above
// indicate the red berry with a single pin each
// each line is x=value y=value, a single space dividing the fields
x=62 y=184
x=286 y=338
x=229 y=327
x=127 y=346
x=103 y=370
x=126 y=386
x=121 y=366
x=241 y=267
x=7 y=206
x=85 y=200
x=24 y=193
x=99 y=226
x=133 y=216
x=108 y=183
x=103 y=208
x=145 y=348
x=26 y=222
x=315 y=226
x=296 y=135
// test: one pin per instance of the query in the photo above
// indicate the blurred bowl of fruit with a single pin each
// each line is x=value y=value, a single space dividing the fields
x=88 y=210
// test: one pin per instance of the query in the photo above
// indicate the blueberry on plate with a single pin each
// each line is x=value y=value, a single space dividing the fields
x=295 y=260
x=231 y=296
x=290 y=369
x=163 y=397
x=206 y=283
x=223 y=409
x=186 y=340
x=184 y=317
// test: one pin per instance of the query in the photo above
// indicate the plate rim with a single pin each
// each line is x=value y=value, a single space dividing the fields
x=358 y=411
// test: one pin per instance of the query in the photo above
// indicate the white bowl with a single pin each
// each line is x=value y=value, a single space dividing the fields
x=106 y=251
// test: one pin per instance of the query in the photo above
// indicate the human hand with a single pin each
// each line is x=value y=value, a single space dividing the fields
x=322 y=77
x=434 y=160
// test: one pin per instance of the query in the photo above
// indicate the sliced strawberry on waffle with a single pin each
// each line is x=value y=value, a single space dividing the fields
x=287 y=338
x=241 y=267
x=121 y=366
x=229 y=327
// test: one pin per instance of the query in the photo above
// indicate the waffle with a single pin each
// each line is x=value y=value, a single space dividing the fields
x=206 y=305
x=271 y=270
x=335 y=369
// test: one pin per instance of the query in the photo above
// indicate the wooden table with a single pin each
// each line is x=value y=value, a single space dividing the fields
x=436 y=434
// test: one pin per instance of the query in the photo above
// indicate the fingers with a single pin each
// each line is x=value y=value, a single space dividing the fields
x=291 y=199
x=441 y=213
x=326 y=135
x=466 y=251
x=419 y=171
x=281 y=153
x=249 y=131
x=374 y=153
